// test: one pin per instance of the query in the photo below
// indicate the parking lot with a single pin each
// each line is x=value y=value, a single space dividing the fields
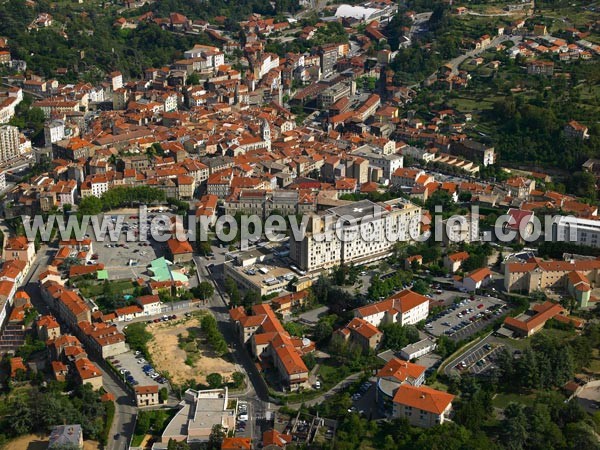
x=478 y=359
x=135 y=370
x=466 y=317
x=127 y=258
x=243 y=425
x=363 y=401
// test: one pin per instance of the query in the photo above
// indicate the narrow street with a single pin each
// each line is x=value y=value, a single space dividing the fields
x=125 y=411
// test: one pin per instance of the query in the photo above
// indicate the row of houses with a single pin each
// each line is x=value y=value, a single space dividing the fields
x=272 y=346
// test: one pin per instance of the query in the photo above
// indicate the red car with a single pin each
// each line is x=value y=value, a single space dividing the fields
x=480 y=306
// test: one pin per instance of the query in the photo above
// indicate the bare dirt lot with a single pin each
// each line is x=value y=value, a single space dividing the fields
x=33 y=442
x=167 y=355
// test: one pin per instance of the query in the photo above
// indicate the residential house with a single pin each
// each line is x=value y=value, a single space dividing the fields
x=21 y=249
x=453 y=261
x=477 y=279
x=362 y=333
x=146 y=395
x=180 y=251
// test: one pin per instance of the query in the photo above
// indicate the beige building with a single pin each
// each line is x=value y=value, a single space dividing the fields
x=88 y=373
x=9 y=143
x=20 y=249
x=146 y=395
x=47 y=328
x=361 y=332
x=537 y=274
x=422 y=406
x=406 y=308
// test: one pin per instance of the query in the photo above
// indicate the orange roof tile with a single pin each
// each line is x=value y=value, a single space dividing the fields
x=401 y=302
x=423 y=398
x=363 y=328
x=401 y=370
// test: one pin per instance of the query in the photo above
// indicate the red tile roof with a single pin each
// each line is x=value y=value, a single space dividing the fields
x=400 y=302
x=363 y=328
x=479 y=274
x=544 y=312
x=460 y=256
x=179 y=247
x=401 y=370
x=423 y=398
x=236 y=443
x=274 y=437
x=140 y=390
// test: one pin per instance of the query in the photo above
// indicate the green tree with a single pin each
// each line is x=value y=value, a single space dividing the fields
x=216 y=437
x=176 y=445
x=137 y=337
x=420 y=287
x=214 y=380
x=90 y=206
x=163 y=395
x=238 y=379
x=322 y=331
x=142 y=424
x=193 y=79
x=204 y=290
x=396 y=336
x=232 y=290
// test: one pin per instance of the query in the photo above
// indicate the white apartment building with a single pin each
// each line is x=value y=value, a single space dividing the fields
x=96 y=95
x=268 y=62
x=7 y=109
x=99 y=185
x=170 y=102
x=576 y=230
x=116 y=79
x=406 y=308
x=54 y=131
x=9 y=143
x=361 y=232
x=213 y=56
x=422 y=406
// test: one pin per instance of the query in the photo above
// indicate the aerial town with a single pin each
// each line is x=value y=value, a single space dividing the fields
x=434 y=169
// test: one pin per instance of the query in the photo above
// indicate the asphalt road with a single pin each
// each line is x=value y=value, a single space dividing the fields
x=125 y=411
x=456 y=62
x=257 y=394
x=475 y=353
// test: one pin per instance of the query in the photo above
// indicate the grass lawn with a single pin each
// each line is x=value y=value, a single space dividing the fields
x=438 y=385
x=558 y=334
x=96 y=288
x=594 y=365
x=522 y=344
x=519 y=344
x=502 y=400
x=159 y=419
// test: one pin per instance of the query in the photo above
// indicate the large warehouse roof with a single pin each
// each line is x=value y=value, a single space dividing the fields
x=355 y=12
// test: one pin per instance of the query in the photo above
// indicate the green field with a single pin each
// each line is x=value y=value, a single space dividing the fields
x=503 y=400
x=97 y=288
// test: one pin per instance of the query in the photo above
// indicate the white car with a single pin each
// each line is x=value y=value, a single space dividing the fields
x=243 y=417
